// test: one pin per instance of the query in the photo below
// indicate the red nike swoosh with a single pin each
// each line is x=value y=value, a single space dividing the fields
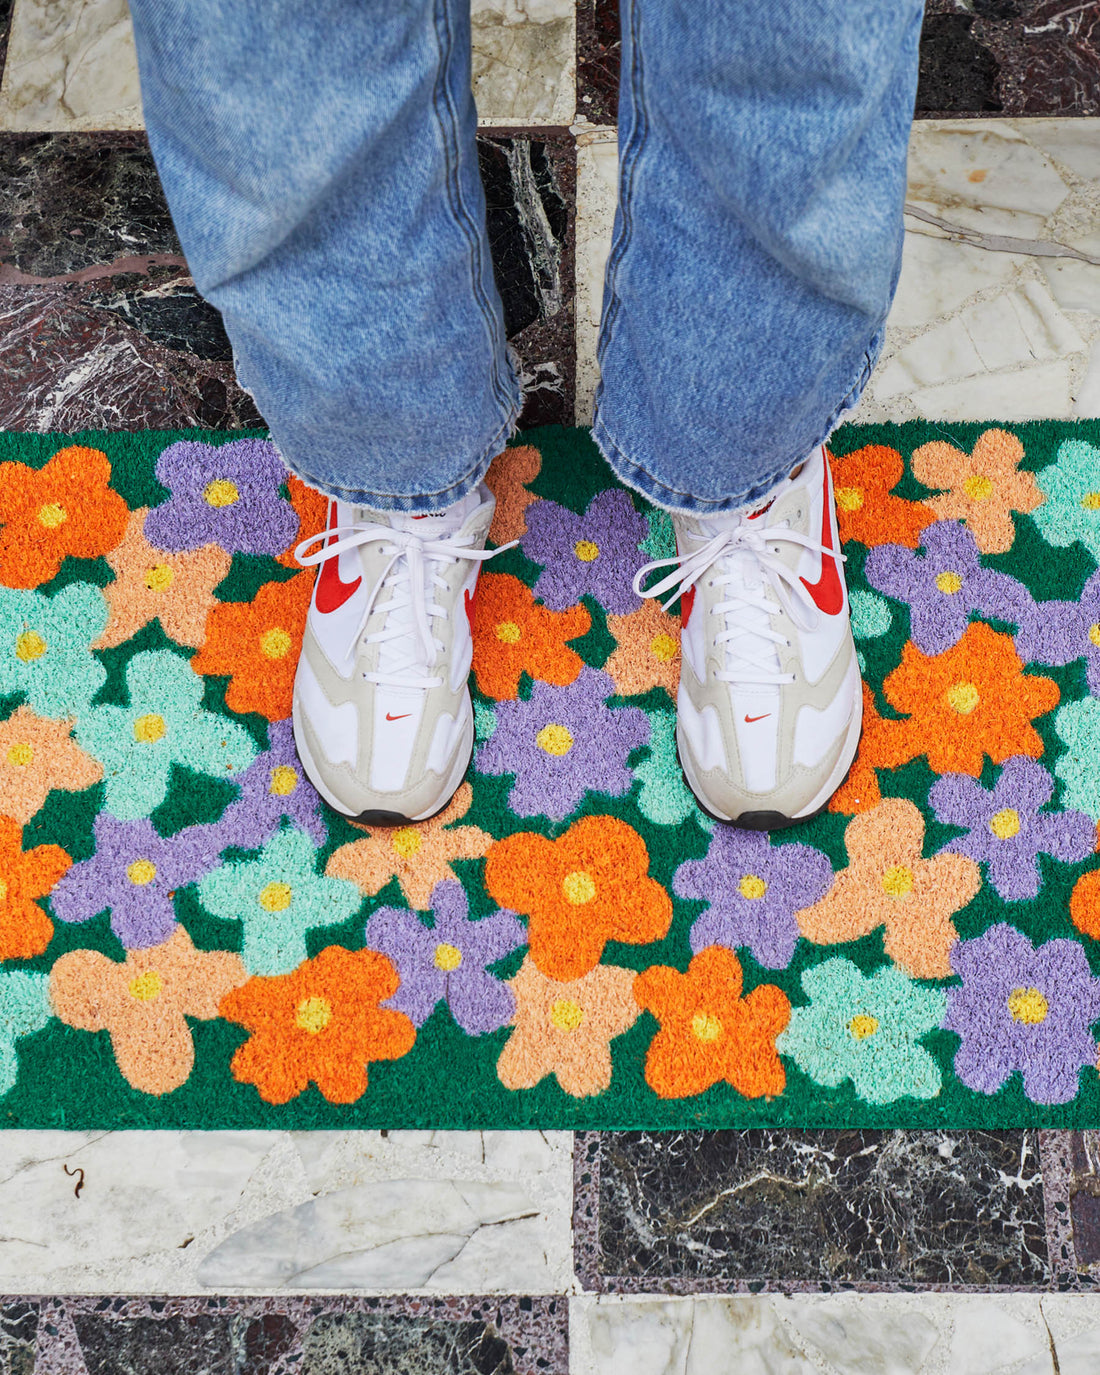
x=404 y=717
x=468 y=598
x=332 y=592
x=828 y=591
x=751 y=719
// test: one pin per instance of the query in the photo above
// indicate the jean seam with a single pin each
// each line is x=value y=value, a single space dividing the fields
x=449 y=128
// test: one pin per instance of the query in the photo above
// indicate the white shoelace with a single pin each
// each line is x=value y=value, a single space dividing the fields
x=411 y=581
x=747 y=565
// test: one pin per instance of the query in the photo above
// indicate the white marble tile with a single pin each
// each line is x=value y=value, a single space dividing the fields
x=71 y=64
x=270 y=1212
x=597 y=192
x=844 y=1334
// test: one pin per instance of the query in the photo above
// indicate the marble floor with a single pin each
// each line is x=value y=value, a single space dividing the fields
x=847 y=1253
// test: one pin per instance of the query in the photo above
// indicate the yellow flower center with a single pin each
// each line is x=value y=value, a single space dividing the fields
x=949 y=582
x=1094 y=634
x=20 y=754
x=3 y=890
x=861 y=1027
x=897 y=881
x=1091 y=502
x=663 y=647
x=220 y=492
x=578 y=888
x=149 y=729
x=275 y=643
x=1028 y=1005
x=1006 y=824
x=146 y=986
x=284 y=780
x=586 y=551
x=752 y=887
x=849 y=498
x=159 y=578
x=554 y=739
x=313 y=1015
x=963 y=698
x=275 y=897
x=508 y=632
x=407 y=842
x=447 y=957
x=978 y=487
x=566 y=1014
x=30 y=645
x=706 y=1026
x=141 y=872
x=51 y=515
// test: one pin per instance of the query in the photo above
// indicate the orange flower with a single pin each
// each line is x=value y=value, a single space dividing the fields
x=257 y=643
x=418 y=856
x=507 y=477
x=865 y=510
x=648 y=653
x=25 y=930
x=888 y=884
x=860 y=791
x=565 y=1029
x=144 y=1002
x=37 y=755
x=970 y=701
x=708 y=1031
x=982 y=488
x=65 y=507
x=311 y=507
x=586 y=888
x=321 y=1023
x=1084 y=904
x=150 y=583
x=514 y=634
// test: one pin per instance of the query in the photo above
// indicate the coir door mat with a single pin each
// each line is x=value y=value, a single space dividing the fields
x=189 y=938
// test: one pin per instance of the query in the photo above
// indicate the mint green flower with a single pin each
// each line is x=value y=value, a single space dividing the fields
x=871 y=615
x=1078 y=724
x=278 y=897
x=45 y=647
x=665 y=798
x=1071 y=486
x=866 y=1030
x=660 y=543
x=164 y=724
x=485 y=721
x=24 y=1008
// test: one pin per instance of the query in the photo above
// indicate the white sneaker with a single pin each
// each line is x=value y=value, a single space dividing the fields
x=770 y=703
x=382 y=715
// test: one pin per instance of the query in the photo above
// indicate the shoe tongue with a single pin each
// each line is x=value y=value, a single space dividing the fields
x=433 y=524
x=722 y=521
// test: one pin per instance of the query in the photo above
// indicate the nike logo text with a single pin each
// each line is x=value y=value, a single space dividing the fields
x=828 y=591
x=751 y=719
x=332 y=593
x=403 y=717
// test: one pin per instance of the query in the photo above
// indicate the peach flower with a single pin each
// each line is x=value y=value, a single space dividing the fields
x=982 y=488
x=648 y=653
x=507 y=479
x=37 y=755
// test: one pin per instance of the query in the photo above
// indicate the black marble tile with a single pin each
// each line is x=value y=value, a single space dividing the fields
x=102 y=325
x=287 y=1336
x=957 y=73
x=783 y=1210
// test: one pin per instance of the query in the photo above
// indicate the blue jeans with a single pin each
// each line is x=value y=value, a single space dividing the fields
x=321 y=168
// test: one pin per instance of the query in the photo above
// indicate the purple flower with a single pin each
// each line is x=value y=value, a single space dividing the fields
x=135 y=872
x=1006 y=828
x=563 y=742
x=1057 y=633
x=944 y=584
x=1023 y=1009
x=448 y=960
x=595 y=553
x=754 y=889
x=225 y=494
x=273 y=786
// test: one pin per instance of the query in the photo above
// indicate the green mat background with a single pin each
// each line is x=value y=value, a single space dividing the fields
x=68 y=1078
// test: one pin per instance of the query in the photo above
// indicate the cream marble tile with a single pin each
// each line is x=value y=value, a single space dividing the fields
x=267 y=1212
x=597 y=190
x=939 y=275
x=1037 y=392
x=70 y=65
x=524 y=61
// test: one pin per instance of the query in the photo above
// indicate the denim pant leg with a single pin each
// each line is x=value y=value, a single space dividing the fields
x=320 y=164
x=757 y=241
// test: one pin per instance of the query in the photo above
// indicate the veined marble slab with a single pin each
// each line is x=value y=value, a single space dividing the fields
x=285 y=1212
x=849 y=1334
x=71 y=64
x=997 y=313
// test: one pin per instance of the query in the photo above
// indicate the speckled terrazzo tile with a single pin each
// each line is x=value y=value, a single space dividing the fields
x=340 y=1336
x=598 y=46
x=788 y=1211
